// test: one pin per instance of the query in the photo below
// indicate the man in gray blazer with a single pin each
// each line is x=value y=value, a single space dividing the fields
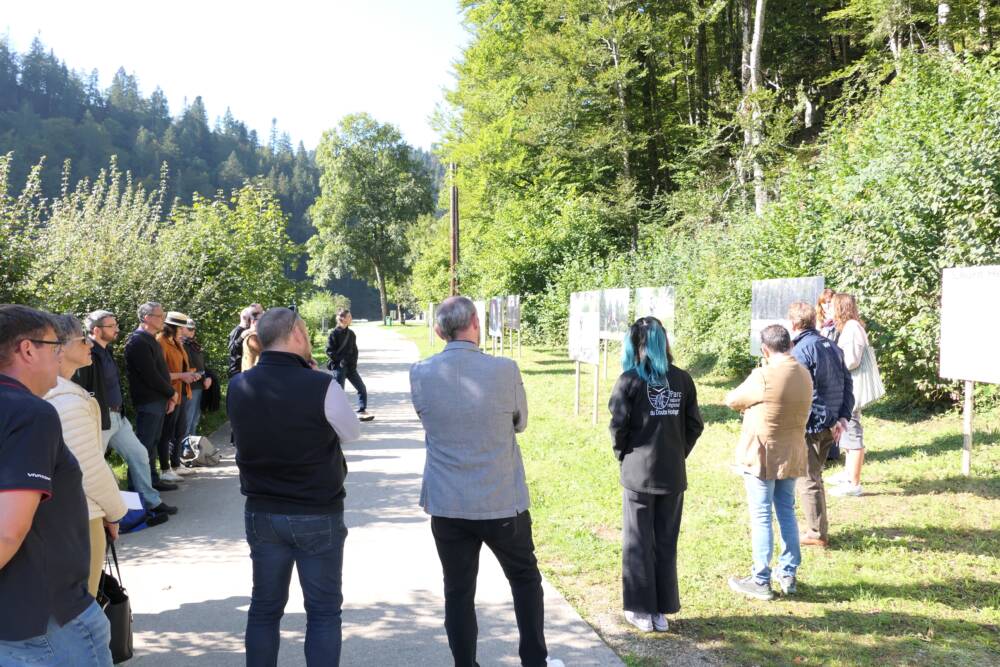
x=471 y=405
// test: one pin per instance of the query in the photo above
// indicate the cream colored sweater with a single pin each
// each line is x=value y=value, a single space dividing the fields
x=81 y=425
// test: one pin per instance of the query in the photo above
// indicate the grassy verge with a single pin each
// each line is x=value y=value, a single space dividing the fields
x=912 y=576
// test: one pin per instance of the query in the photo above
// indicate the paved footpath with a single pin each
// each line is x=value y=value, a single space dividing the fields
x=189 y=579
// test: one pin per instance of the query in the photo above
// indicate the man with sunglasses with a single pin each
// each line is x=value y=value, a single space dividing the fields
x=44 y=539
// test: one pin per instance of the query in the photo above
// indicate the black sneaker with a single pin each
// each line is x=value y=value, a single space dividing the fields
x=163 y=508
x=364 y=416
x=164 y=486
x=156 y=519
x=750 y=588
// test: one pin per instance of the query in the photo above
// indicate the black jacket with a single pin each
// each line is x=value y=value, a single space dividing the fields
x=342 y=349
x=653 y=430
x=146 y=369
x=288 y=454
x=235 y=347
x=91 y=379
x=196 y=358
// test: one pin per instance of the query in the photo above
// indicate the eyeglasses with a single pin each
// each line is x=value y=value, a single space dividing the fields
x=57 y=344
x=84 y=339
x=105 y=326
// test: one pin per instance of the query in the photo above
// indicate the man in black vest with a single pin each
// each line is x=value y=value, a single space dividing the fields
x=289 y=422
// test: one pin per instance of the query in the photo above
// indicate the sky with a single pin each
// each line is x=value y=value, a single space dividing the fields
x=305 y=63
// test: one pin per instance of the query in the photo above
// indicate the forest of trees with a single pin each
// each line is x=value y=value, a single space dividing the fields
x=48 y=110
x=706 y=143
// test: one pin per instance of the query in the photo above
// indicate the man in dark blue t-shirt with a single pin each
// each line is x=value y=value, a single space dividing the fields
x=44 y=539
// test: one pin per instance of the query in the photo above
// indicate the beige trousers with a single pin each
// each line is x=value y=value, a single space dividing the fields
x=98 y=543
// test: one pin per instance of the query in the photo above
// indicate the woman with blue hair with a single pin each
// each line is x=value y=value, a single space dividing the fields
x=655 y=423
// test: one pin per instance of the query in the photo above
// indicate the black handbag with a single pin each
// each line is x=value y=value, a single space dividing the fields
x=114 y=601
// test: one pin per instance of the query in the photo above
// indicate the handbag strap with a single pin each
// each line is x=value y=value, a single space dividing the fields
x=114 y=554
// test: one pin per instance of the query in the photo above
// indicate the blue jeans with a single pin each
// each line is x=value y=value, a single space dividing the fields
x=121 y=438
x=340 y=374
x=315 y=545
x=82 y=642
x=761 y=495
x=193 y=411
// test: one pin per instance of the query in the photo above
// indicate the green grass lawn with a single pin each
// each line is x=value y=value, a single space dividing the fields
x=912 y=576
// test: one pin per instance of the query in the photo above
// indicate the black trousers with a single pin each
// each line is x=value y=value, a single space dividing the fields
x=169 y=446
x=458 y=543
x=651 y=524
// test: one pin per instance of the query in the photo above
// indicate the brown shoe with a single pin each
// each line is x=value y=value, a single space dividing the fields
x=813 y=542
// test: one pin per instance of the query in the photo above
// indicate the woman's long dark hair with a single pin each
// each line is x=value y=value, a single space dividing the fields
x=647 y=350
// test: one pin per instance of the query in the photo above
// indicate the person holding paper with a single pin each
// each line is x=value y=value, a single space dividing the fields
x=80 y=417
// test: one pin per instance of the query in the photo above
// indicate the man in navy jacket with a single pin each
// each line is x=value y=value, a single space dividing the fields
x=832 y=404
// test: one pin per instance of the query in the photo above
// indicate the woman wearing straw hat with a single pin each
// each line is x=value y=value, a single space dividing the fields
x=181 y=377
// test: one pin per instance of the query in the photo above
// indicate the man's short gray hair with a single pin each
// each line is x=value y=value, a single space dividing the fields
x=455 y=314
x=276 y=325
x=146 y=309
x=95 y=318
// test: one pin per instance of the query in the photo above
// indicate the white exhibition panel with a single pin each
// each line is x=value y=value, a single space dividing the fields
x=585 y=327
x=481 y=314
x=659 y=303
x=496 y=316
x=614 y=308
x=770 y=301
x=968 y=314
x=513 y=320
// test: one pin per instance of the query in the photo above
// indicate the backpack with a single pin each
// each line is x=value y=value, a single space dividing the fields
x=198 y=450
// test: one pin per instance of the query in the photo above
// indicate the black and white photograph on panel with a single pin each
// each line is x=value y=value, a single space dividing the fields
x=615 y=307
x=513 y=312
x=659 y=303
x=963 y=321
x=496 y=317
x=770 y=301
x=585 y=327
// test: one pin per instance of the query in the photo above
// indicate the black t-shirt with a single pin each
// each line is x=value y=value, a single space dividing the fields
x=48 y=575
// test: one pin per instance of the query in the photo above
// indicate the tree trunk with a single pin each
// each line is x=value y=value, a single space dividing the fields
x=383 y=301
x=659 y=178
x=985 y=31
x=745 y=22
x=701 y=65
x=944 y=44
x=756 y=132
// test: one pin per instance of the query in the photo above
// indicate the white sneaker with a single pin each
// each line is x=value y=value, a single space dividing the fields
x=554 y=662
x=641 y=621
x=660 y=623
x=846 y=489
x=837 y=478
x=170 y=476
x=183 y=470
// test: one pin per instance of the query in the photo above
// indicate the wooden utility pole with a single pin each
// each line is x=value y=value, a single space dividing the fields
x=454 y=232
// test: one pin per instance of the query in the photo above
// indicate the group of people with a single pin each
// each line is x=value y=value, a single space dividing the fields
x=291 y=422
x=795 y=407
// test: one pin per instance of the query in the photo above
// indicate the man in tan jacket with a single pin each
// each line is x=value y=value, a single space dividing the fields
x=771 y=454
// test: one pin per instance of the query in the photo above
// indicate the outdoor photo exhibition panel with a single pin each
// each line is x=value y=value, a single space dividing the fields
x=658 y=302
x=963 y=321
x=584 y=338
x=481 y=314
x=615 y=319
x=771 y=299
x=496 y=322
x=513 y=321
